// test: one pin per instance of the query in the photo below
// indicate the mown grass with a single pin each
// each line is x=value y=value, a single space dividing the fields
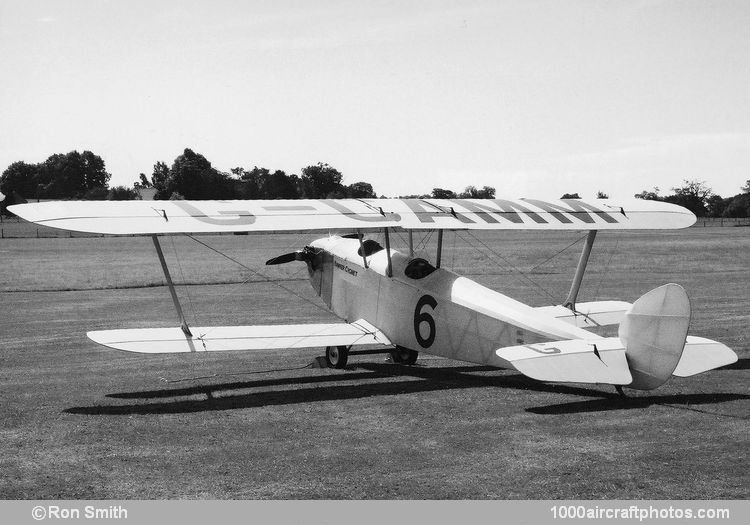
x=82 y=421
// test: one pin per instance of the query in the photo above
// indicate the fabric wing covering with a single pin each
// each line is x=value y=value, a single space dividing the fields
x=179 y=216
x=228 y=338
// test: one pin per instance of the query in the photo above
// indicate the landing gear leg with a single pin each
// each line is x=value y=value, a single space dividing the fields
x=619 y=391
x=336 y=356
x=404 y=356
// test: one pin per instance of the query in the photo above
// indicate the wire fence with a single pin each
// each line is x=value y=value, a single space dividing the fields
x=17 y=228
x=713 y=222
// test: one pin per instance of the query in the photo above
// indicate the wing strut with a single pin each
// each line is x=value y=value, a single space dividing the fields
x=570 y=302
x=389 y=268
x=170 y=284
x=439 y=249
x=362 y=247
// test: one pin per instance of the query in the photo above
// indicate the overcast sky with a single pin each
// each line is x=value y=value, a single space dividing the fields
x=535 y=98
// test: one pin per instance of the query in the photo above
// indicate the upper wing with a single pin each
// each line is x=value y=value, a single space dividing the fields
x=227 y=338
x=153 y=217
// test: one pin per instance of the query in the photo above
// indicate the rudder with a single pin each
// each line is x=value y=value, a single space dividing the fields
x=653 y=332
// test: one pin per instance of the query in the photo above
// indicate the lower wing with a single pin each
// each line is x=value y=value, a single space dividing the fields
x=228 y=338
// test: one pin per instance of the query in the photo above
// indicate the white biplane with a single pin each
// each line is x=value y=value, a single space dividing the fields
x=407 y=304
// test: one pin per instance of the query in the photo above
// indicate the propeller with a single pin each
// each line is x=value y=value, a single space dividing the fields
x=283 y=259
x=306 y=254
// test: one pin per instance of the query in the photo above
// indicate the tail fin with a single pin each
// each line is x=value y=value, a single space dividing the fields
x=653 y=332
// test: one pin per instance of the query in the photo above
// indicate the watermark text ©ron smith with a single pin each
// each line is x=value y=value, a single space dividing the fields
x=52 y=512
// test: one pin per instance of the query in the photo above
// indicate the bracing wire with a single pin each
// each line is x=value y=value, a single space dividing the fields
x=453 y=251
x=511 y=266
x=264 y=277
x=422 y=245
x=606 y=268
x=558 y=253
x=182 y=278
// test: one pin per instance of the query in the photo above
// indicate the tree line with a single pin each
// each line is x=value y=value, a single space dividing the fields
x=191 y=176
x=71 y=175
x=77 y=175
x=697 y=197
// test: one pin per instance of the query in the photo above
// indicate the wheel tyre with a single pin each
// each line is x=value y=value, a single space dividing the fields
x=337 y=356
x=404 y=356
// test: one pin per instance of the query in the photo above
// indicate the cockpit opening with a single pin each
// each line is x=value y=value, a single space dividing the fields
x=369 y=246
x=418 y=268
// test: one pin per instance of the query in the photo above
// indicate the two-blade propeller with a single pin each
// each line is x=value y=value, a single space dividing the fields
x=283 y=259
x=306 y=255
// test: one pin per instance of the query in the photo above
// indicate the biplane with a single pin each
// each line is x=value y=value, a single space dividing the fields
x=405 y=304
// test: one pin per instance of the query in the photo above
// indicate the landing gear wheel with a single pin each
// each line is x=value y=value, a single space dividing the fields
x=336 y=356
x=404 y=356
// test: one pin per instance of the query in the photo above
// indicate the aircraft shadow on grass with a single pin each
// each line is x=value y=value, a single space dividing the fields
x=741 y=364
x=434 y=379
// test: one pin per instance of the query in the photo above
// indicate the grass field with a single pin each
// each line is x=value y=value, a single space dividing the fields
x=83 y=421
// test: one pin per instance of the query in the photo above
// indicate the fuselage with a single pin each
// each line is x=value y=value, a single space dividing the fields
x=424 y=308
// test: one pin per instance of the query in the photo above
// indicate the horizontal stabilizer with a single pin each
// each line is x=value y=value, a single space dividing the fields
x=574 y=361
x=700 y=355
x=227 y=338
x=587 y=315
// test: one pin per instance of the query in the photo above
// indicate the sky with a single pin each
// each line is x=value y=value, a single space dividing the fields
x=534 y=98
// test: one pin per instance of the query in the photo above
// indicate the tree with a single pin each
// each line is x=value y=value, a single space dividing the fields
x=320 y=181
x=144 y=182
x=21 y=178
x=187 y=175
x=71 y=175
x=193 y=177
x=121 y=193
x=649 y=195
x=715 y=205
x=739 y=206
x=96 y=194
x=159 y=177
x=253 y=182
x=279 y=185
x=570 y=196
x=360 y=190
x=746 y=187
x=601 y=195
x=692 y=195
x=471 y=192
x=440 y=193
x=95 y=175
x=694 y=188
